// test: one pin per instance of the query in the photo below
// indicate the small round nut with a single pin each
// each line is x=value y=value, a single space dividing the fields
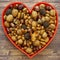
x=25 y=10
x=34 y=24
x=52 y=12
x=36 y=43
x=46 y=39
x=13 y=38
x=20 y=41
x=47 y=18
x=29 y=50
x=19 y=31
x=14 y=12
x=42 y=31
x=44 y=35
x=6 y=24
x=34 y=14
x=9 y=18
x=52 y=26
x=42 y=6
x=43 y=19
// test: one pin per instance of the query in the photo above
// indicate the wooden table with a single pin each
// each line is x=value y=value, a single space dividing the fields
x=9 y=52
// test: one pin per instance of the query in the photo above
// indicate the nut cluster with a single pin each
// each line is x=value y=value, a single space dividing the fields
x=32 y=31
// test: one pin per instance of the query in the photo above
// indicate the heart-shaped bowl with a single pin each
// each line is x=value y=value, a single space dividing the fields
x=30 y=11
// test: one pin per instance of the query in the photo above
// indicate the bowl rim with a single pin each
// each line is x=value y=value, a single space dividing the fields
x=30 y=10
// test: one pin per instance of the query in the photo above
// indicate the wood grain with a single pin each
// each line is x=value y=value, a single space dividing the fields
x=9 y=52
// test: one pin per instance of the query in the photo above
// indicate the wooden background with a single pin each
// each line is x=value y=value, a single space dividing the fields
x=9 y=52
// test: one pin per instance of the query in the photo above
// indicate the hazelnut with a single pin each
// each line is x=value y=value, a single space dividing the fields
x=25 y=10
x=14 y=12
x=42 y=6
x=6 y=24
x=20 y=41
x=44 y=35
x=13 y=38
x=19 y=31
x=34 y=14
x=52 y=12
x=46 y=39
x=34 y=23
x=18 y=37
x=52 y=26
x=42 y=31
x=9 y=18
x=47 y=18
x=36 y=43
x=43 y=19
x=29 y=50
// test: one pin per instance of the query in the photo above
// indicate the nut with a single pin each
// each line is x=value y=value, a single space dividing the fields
x=44 y=35
x=42 y=6
x=6 y=24
x=36 y=43
x=20 y=41
x=34 y=14
x=34 y=24
x=47 y=18
x=52 y=13
x=9 y=18
x=13 y=38
x=52 y=26
x=14 y=12
x=29 y=50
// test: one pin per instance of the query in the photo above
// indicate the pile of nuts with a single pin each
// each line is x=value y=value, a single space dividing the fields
x=30 y=31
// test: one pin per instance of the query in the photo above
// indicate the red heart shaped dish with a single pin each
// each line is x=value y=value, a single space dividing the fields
x=31 y=31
